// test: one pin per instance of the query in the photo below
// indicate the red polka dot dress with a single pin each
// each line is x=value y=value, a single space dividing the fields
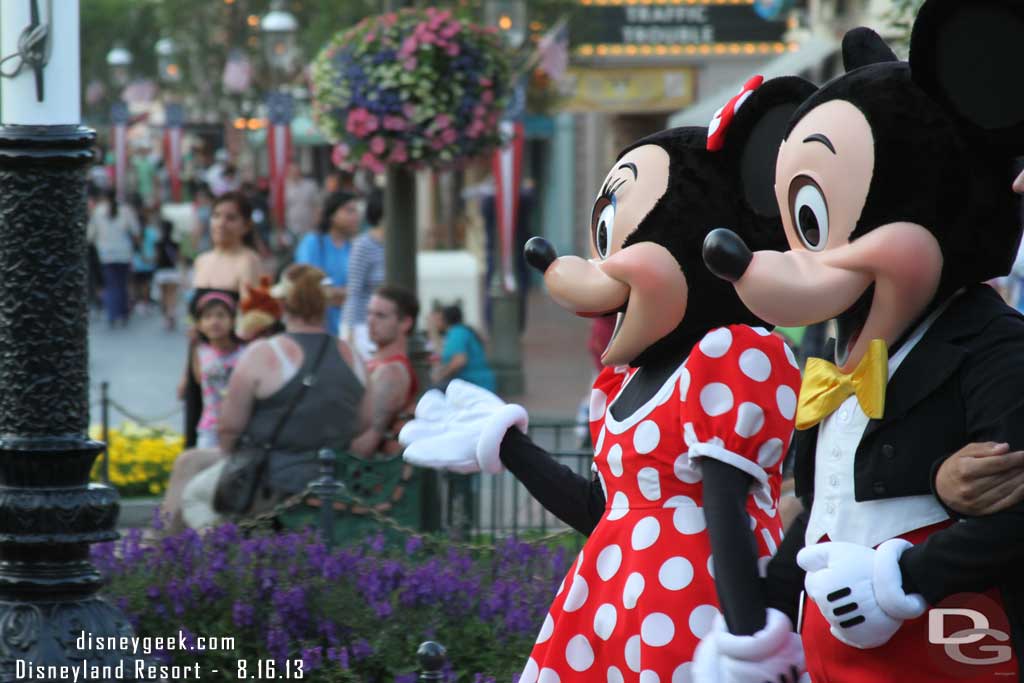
x=641 y=593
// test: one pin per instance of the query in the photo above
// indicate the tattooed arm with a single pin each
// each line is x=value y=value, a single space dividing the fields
x=387 y=393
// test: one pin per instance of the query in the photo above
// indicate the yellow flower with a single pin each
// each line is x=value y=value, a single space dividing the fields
x=141 y=458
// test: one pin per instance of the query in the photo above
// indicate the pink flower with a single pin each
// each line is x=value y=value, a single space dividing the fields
x=339 y=153
x=429 y=37
x=378 y=145
x=370 y=36
x=389 y=19
x=409 y=64
x=361 y=122
x=442 y=121
x=449 y=136
x=452 y=50
x=356 y=121
x=398 y=153
x=437 y=143
x=409 y=46
x=487 y=96
x=372 y=163
x=479 y=111
x=485 y=82
x=394 y=123
x=409 y=110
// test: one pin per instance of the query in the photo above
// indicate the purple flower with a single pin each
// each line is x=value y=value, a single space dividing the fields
x=277 y=643
x=312 y=658
x=242 y=614
x=361 y=649
x=338 y=655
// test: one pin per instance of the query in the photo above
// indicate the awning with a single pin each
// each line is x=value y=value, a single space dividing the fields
x=810 y=54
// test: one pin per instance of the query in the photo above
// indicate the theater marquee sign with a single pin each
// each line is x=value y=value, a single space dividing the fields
x=619 y=28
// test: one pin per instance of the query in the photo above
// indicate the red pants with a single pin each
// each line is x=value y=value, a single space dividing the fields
x=911 y=656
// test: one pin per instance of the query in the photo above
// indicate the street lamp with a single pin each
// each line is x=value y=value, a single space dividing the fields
x=279 y=27
x=119 y=60
x=167 y=62
x=49 y=512
x=509 y=16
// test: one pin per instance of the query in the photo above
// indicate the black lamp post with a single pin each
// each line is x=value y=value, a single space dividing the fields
x=49 y=513
x=509 y=17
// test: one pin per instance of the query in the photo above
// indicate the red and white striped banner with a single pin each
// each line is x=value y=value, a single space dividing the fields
x=507 y=168
x=119 y=128
x=120 y=159
x=279 y=140
x=172 y=148
x=280 y=109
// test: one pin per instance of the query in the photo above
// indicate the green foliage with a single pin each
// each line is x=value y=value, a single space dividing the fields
x=901 y=14
x=206 y=30
x=445 y=108
x=356 y=613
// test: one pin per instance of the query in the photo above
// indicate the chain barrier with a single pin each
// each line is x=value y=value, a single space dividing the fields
x=143 y=421
x=267 y=519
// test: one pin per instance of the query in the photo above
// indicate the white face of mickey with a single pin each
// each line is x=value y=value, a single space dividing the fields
x=876 y=285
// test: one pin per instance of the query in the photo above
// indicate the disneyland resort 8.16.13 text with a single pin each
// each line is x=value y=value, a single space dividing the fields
x=137 y=665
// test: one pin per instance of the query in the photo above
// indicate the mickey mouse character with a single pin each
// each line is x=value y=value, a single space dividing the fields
x=690 y=417
x=895 y=186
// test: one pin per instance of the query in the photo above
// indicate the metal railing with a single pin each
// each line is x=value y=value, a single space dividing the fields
x=479 y=507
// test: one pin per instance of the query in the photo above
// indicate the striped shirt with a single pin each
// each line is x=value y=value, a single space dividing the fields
x=365 y=273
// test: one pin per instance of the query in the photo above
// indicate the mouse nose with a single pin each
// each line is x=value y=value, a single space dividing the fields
x=726 y=254
x=539 y=253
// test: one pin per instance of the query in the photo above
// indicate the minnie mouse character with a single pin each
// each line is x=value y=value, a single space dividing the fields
x=895 y=187
x=690 y=417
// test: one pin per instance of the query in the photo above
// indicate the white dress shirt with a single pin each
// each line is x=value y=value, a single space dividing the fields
x=835 y=511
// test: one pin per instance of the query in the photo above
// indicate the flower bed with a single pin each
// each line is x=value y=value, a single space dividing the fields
x=350 y=614
x=141 y=458
x=410 y=87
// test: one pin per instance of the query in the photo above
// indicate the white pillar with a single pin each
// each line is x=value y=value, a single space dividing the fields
x=61 y=103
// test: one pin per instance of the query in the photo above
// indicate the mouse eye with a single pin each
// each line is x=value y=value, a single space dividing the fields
x=602 y=224
x=809 y=212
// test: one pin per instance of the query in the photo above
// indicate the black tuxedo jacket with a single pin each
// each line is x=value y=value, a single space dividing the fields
x=963 y=382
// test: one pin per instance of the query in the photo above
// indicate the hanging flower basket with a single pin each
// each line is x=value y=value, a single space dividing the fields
x=417 y=87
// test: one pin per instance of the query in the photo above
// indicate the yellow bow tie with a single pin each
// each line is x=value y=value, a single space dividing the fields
x=824 y=387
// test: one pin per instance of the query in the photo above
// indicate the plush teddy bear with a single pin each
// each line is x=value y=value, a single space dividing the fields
x=894 y=182
x=690 y=418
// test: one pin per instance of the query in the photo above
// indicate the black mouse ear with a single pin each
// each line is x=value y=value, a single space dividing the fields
x=966 y=55
x=862 y=46
x=756 y=130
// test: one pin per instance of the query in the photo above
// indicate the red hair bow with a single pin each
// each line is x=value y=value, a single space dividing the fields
x=723 y=117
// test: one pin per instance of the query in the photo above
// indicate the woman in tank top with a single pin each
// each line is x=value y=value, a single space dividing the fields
x=265 y=383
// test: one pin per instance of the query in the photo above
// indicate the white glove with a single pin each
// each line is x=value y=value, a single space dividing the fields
x=460 y=430
x=772 y=655
x=859 y=590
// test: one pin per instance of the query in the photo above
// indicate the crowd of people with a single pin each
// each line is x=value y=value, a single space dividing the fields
x=295 y=340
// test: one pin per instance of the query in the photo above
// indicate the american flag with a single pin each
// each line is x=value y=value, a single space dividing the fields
x=280 y=110
x=553 y=51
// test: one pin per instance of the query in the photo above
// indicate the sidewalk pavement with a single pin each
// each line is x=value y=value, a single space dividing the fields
x=557 y=366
